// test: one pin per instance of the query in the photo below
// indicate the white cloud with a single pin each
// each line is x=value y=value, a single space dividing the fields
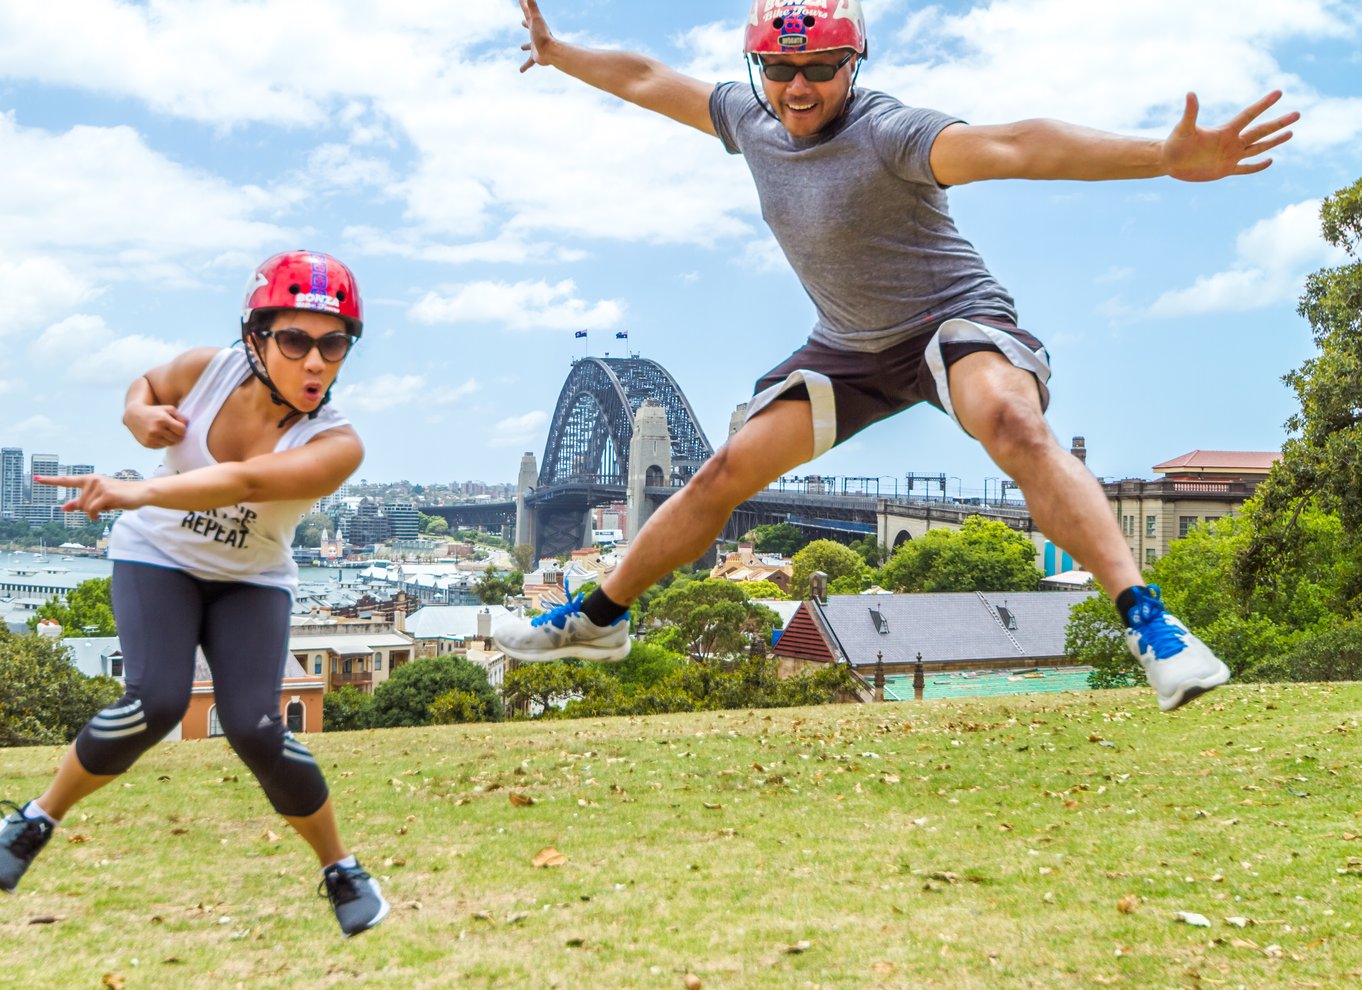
x=87 y=352
x=400 y=391
x=36 y=428
x=1117 y=66
x=1272 y=259
x=38 y=289
x=107 y=205
x=516 y=431
x=764 y=255
x=6 y=387
x=519 y=306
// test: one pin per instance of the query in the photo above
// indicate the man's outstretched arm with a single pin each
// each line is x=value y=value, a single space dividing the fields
x=1051 y=149
x=628 y=75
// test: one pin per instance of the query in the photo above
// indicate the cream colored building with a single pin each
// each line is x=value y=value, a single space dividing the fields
x=1197 y=487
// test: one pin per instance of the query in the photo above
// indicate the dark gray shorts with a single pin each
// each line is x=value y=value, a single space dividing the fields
x=849 y=390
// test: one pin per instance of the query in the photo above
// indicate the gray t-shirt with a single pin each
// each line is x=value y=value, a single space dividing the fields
x=862 y=219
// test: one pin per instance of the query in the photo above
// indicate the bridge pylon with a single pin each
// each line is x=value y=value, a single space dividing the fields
x=650 y=463
x=524 y=515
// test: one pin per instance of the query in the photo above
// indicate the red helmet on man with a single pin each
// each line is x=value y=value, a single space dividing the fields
x=306 y=280
x=778 y=26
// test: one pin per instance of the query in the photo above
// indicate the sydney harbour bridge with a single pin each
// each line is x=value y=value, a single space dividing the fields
x=624 y=433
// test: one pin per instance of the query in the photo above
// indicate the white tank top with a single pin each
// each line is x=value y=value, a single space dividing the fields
x=248 y=542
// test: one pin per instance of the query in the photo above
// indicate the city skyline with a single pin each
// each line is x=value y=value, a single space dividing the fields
x=492 y=216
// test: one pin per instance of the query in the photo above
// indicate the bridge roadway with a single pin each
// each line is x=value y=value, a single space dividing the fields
x=891 y=520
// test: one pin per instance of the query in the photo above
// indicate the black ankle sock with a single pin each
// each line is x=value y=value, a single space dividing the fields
x=1125 y=601
x=601 y=610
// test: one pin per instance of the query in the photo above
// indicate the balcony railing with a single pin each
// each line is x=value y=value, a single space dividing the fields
x=357 y=677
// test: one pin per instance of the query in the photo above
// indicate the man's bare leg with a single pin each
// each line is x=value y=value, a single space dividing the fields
x=999 y=405
x=775 y=441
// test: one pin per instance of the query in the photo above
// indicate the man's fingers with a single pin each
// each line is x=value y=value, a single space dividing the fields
x=1250 y=167
x=1256 y=134
x=1189 y=112
x=529 y=63
x=1261 y=146
x=1249 y=113
x=179 y=416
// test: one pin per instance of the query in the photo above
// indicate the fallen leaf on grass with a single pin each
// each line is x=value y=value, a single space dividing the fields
x=692 y=982
x=712 y=807
x=113 y=981
x=77 y=839
x=1128 y=904
x=519 y=800
x=549 y=856
x=801 y=946
x=46 y=919
x=882 y=968
x=271 y=836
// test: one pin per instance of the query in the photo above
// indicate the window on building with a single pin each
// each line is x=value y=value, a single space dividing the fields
x=1151 y=525
x=1150 y=556
x=378 y=661
x=1209 y=519
x=295 y=715
x=1185 y=524
x=317 y=667
x=214 y=726
x=115 y=666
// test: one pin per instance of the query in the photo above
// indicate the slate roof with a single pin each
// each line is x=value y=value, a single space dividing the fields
x=955 y=627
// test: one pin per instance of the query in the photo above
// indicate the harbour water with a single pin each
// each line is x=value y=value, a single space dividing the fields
x=53 y=562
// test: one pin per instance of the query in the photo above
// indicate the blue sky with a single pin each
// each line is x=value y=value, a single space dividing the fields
x=151 y=153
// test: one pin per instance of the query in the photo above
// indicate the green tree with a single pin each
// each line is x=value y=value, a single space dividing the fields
x=434 y=525
x=86 y=611
x=831 y=558
x=44 y=698
x=458 y=706
x=983 y=555
x=310 y=528
x=1095 y=636
x=762 y=589
x=544 y=687
x=872 y=551
x=404 y=699
x=347 y=708
x=494 y=589
x=648 y=662
x=1322 y=458
x=714 y=617
x=524 y=556
x=781 y=538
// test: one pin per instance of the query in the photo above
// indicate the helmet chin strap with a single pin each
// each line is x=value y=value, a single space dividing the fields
x=257 y=366
x=751 y=81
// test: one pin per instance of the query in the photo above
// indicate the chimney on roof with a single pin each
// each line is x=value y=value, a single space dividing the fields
x=818 y=587
x=1079 y=448
x=485 y=625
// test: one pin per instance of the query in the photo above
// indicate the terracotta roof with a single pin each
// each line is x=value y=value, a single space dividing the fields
x=1222 y=460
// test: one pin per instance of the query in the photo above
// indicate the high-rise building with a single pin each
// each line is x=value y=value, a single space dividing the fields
x=74 y=520
x=45 y=495
x=11 y=480
x=404 y=520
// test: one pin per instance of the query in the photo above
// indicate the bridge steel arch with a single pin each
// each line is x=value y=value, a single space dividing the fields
x=588 y=440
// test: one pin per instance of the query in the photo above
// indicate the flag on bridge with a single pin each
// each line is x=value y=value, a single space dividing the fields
x=580 y=333
x=621 y=334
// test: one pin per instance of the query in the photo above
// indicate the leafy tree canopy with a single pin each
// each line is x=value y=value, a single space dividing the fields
x=404 y=699
x=713 y=616
x=44 y=698
x=983 y=555
x=782 y=538
x=831 y=558
x=86 y=611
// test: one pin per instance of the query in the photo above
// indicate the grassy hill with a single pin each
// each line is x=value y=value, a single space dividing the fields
x=1044 y=842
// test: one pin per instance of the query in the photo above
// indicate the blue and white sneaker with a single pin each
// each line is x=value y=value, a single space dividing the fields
x=562 y=633
x=1179 y=666
x=355 y=897
x=21 y=839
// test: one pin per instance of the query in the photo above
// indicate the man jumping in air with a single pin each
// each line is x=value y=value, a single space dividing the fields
x=853 y=185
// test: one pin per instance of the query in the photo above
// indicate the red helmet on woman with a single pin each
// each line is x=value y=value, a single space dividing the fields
x=305 y=280
x=777 y=26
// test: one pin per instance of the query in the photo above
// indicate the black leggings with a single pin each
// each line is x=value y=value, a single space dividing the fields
x=163 y=616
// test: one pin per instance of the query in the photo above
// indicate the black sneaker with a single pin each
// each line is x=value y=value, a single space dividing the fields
x=355 y=897
x=20 y=840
